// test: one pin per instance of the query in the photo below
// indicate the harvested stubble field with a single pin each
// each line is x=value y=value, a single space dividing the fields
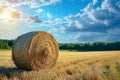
x=101 y=65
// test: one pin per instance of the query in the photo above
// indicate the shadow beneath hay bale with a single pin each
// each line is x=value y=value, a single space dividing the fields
x=9 y=71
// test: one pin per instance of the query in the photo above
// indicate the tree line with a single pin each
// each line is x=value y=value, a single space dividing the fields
x=6 y=44
x=96 y=46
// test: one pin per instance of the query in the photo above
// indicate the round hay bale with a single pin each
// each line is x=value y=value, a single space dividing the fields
x=35 y=51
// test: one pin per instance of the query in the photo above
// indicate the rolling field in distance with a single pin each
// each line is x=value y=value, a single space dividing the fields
x=97 y=65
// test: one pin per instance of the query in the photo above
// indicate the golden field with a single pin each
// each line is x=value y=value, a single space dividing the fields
x=97 y=65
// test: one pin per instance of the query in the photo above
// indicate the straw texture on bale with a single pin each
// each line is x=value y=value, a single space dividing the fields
x=35 y=51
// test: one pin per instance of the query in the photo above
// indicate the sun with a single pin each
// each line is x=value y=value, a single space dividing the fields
x=6 y=16
x=9 y=16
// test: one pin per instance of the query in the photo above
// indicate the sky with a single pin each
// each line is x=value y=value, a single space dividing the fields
x=70 y=21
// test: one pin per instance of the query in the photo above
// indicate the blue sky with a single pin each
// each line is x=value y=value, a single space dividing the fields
x=70 y=21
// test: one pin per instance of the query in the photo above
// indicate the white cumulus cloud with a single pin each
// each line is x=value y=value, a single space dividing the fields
x=31 y=3
x=39 y=10
x=49 y=15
